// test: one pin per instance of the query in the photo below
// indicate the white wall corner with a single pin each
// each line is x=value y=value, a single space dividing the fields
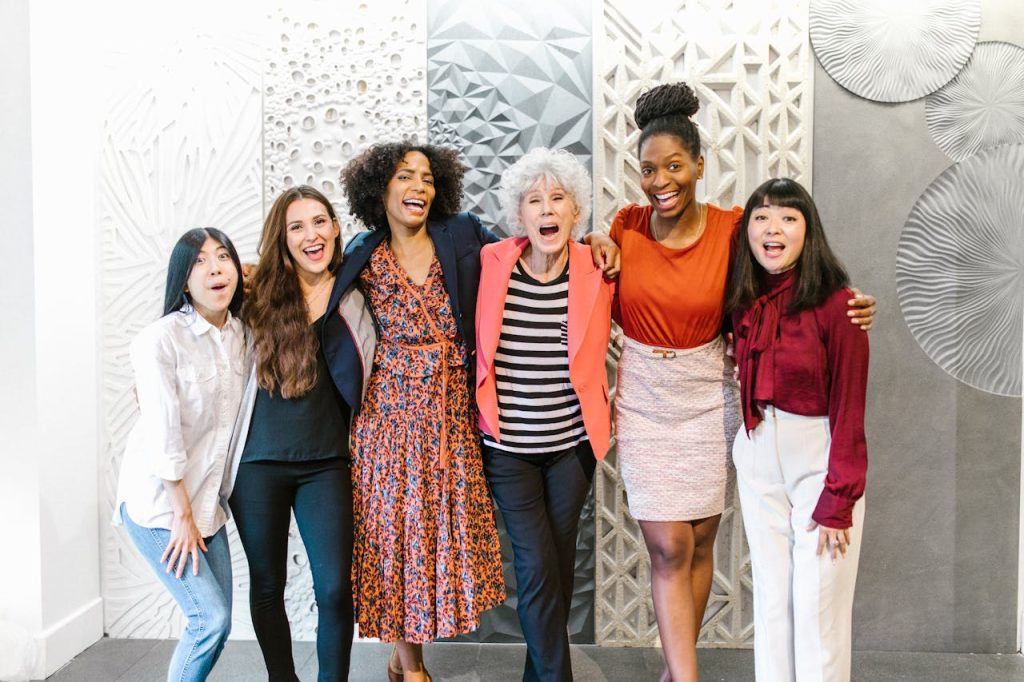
x=64 y=640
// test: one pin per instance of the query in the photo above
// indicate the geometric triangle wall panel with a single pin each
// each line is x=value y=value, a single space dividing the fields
x=505 y=78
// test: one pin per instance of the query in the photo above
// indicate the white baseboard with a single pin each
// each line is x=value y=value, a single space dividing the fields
x=74 y=634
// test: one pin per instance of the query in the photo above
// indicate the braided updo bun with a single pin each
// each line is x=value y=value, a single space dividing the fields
x=665 y=100
x=666 y=110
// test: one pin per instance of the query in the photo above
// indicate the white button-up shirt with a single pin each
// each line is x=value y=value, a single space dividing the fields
x=189 y=378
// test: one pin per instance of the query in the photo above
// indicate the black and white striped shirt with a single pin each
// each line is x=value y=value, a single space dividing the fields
x=538 y=411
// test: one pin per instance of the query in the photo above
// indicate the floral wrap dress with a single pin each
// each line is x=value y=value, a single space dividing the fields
x=426 y=560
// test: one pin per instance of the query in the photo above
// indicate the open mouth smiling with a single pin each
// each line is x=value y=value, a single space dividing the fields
x=666 y=198
x=548 y=230
x=314 y=252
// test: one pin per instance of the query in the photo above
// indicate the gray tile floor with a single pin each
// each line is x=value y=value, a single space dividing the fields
x=138 y=660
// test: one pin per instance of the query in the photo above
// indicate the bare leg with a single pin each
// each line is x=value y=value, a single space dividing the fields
x=702 y=569
x=671 y=547
x=411 y=656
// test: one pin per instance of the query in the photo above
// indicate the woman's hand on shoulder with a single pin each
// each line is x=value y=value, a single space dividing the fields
x=248 y=273
x=862 y=309
x=605 y=252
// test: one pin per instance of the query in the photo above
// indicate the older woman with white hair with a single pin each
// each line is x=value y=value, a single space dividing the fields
x=543 y=321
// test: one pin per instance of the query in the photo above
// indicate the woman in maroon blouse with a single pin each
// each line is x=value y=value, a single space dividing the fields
x=801 y=455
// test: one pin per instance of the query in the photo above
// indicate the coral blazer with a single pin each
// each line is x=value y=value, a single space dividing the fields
x=590 y=311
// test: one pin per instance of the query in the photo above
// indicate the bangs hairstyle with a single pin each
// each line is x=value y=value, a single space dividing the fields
x=183 y=259
x=818 y=272
x=285 y=343
x=366 y=179
x=556 y=166
x=667 y=110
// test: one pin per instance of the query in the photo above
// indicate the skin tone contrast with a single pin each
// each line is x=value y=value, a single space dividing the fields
x=681 y=551
x=668 y=176
x=407 y=199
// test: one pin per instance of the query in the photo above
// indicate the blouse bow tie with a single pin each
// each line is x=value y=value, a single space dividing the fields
x=760 y=327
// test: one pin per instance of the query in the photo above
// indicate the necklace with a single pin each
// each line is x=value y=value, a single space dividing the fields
x=316 y=293
x=701 y=224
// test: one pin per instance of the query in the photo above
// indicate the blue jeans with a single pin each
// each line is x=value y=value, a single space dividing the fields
x=205 y=599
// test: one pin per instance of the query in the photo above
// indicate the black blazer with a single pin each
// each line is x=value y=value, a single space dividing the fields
x=457 y=243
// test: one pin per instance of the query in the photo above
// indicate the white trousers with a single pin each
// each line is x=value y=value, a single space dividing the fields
x=803 y=603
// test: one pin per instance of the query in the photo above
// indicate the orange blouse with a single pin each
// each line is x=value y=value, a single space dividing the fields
x=672 y=298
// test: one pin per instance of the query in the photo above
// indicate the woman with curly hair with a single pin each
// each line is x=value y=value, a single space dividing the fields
x=426 y=561
x=293 y=452
x=677 y=403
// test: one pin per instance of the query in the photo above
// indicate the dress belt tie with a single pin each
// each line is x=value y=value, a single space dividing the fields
x=444 y=347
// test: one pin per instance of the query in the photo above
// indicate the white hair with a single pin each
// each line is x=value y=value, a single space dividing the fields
x=556 y=166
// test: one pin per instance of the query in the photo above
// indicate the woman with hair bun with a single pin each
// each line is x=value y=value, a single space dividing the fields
x=677 y=403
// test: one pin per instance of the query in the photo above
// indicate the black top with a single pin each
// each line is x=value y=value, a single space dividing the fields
x=311 y=427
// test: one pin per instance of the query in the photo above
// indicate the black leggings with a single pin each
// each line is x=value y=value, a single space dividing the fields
x=320 y=493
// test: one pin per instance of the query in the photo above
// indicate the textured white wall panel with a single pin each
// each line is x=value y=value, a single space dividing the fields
x=180 y=148
x=339 y=77
x=205 y=128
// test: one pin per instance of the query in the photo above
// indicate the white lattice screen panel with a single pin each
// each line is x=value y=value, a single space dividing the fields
x=750 y=64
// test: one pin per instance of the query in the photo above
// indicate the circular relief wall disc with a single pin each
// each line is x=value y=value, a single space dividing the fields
x=893 y=50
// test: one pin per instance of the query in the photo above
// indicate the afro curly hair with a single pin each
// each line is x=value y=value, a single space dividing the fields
x=366 y=180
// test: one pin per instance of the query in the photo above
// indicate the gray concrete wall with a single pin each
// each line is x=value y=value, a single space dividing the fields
x=938 y=569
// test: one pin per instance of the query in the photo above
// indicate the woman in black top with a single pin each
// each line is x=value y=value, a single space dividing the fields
x=294 y=456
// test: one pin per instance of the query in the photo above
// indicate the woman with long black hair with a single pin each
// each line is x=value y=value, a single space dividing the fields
x=801 y=453
x=176 y=473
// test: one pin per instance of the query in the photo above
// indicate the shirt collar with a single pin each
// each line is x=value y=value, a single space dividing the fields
x=199 y=325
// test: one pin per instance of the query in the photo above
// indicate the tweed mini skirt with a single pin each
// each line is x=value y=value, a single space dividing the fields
x=676 y=415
